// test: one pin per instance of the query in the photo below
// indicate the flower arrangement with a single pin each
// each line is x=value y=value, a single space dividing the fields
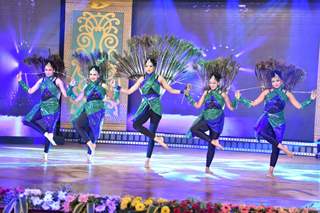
x=64 y=200
x=137 y=204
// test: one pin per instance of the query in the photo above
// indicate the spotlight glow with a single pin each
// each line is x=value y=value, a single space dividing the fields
x=7 y=62
x=243 y=69
x=239 y=54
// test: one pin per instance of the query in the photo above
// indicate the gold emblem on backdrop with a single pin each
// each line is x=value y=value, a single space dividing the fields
x=97 y=31
x=99 y=4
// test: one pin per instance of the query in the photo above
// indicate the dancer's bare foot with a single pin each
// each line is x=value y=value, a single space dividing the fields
x=147 y=163
x=160 y=140
x=286 y=150
x=289 y=153
x=45 y=157
x=270 y=174
x=208 y=171
x=49 y=136
x=91 y=146
x=217 y=144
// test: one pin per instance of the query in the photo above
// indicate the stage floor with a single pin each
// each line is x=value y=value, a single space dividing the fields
x=176 y=174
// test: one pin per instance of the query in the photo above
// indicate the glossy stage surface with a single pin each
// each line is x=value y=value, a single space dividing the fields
x=176 y=174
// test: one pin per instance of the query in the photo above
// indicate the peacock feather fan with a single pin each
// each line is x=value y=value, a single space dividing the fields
x=225 y=67
x=172 y=55
x=39 y=63
x=96 y=58
x=290 y=74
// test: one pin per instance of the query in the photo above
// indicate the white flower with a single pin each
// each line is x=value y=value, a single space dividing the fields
x=62 y=195
x=49 y=193
x=55 y=205
x=47 y=197
x=45 y=206
x=36 y=201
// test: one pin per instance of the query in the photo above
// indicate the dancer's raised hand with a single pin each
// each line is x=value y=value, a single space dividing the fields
x=313 y=95
x=19 y=78
x=237 y=94
x=187 y=89
x=73 y=83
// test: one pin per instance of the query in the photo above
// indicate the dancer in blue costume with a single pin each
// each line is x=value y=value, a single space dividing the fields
x=150 y=107
x=44 y=116
x=88 y=119
x=278 y=80
x=154 y=63
x=214 y=99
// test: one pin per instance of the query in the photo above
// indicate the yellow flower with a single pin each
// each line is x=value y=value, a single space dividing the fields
x=127 y=197
x=161 y=200
x=148 y=202
x=140 y=207
x=125 y=201
x=123 y=205
x=165 y=209
x=135 y=201
x=138 y=198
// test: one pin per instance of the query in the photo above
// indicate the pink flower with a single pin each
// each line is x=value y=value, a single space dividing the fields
x=269 y=210
x=66 y=204
x=70 y=198
x=83 y=198
x=244 y=208
x=261 y=207
x=226 y=208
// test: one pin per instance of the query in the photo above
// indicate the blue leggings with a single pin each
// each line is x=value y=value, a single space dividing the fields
x=268 y=134
x=36 y=125
x=154 y=122
x=81 y=124
x=199 y=130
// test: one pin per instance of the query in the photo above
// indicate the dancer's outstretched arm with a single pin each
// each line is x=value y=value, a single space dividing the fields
x=133 y=88
x=260 y=98
x=200 y=101
x=167 y=87
x=305 y=103
x=26 y=87
x=254 y=103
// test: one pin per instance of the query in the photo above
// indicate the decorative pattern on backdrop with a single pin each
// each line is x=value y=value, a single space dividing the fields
x=90 y=27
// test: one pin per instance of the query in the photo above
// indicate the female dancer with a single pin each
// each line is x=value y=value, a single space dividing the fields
x=271 y=125
x=89 y=117
x=214 y=98
x=150 y=107
x=44 y=116
x=154 y=62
